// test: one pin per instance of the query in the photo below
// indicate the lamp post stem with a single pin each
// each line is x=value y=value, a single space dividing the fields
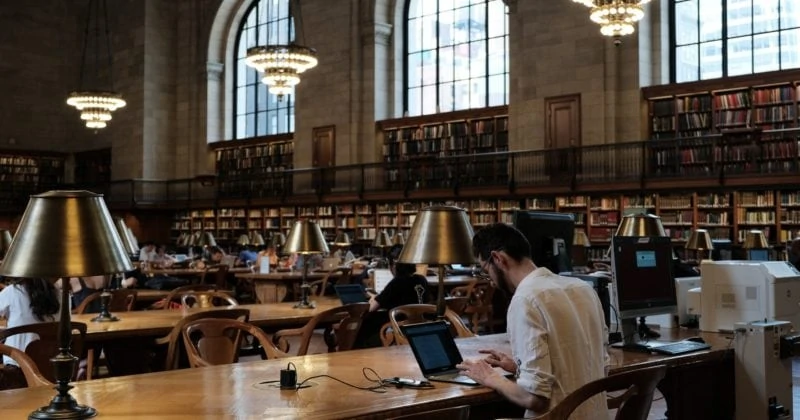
x=440 y=305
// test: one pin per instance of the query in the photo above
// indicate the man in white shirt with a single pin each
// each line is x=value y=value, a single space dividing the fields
x=555 y=325
x=148 y=252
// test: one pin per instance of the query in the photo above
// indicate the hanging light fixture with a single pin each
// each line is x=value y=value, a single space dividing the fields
x=94 y=99
x=281 y=65
x=615 y=17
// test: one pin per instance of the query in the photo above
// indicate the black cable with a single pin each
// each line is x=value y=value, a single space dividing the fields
x=380 y=388
x=616 y=314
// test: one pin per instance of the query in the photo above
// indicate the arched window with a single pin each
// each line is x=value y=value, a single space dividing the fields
x=456 y=55
x=256 y=111
x=721 y=38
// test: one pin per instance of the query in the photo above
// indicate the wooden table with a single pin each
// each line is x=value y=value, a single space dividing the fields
x=189 y=272
x=235 y=391
x=453 y=281
x=149 y=296
x=273 y=287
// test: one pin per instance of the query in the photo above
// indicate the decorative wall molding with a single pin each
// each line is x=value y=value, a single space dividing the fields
x=213 y=71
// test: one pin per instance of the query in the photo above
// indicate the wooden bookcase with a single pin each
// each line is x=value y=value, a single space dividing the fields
x=23 y=173
x=245 y=167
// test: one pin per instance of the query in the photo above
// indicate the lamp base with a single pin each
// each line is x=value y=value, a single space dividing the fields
x=305 y=305
x=63 y=411
x=105 y=317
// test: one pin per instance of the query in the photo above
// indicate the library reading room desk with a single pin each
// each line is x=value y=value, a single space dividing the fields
x=698 y=386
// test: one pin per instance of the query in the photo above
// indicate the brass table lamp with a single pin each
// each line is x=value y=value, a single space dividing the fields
x=206 y=239
x=755 y=239
x=342 y=239
x=382 y=241
x=243 y=240
x=65 y=234
x=399 y=239
x=580 y=242
x=699 y=241
x=256 y=239
x=306 y=238
x=5 y=241
x=440 y=235
x=278 y=240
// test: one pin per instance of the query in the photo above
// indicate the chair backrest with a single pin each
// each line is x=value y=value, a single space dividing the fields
x=633 y=404
x=46 y=346
x=216 y=341
x=416 y=313
x=33 y=376
x=176 y=293
x=173 y=339
x=207 y=299
x=216 y=275
x=318 y=287
x=451 y=413
x=122 y=300
x=338 y=337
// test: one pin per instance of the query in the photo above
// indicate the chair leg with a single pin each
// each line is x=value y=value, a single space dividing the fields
x=90 y=364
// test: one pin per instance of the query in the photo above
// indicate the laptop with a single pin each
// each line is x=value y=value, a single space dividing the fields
x=330 y=264
x=350 y=293
x=229 y=260
x=436 y=352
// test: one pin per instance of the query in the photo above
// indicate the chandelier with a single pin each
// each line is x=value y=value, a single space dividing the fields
x=615 y=17
x=282 y=64
x=96 y=99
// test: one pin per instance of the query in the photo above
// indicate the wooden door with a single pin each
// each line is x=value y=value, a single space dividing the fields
x=323 y=156
x=563 y=134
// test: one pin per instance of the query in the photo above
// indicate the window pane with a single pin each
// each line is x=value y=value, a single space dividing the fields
x=261 y=98
x=458 y=3
x=477 y=58
x=686 y=22
x=497 y=90
x=272 y=121
x=445 y=97
x=414 y=70
x=497 y=55
x=711 y=60
x=790 y=14
x=445 y=5
x=686 y=63
x=261 y=124
x=461 y=95
x=415 y=8
x=414 y=101
x=461 y=25
x=251 y=101
x=241 y=73
x=446 y=28
x=740 y=57
x=478 y=93
x=477 y=22
x=250 y=125
x=429 y=100
x=414 y=35
x=497 y=19
x=252 y=76
x=240 y=127
x=291 y=117
x=765 y=16
x=710 y=20
x=428 y=67
x=429 y=32
x=740 y=20
x=283 y=120
x=446 y=64
x=766 y=52
x=790 y=49
x=241 y=100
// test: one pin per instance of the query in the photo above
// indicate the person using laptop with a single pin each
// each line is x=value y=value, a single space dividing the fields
x=555 y=325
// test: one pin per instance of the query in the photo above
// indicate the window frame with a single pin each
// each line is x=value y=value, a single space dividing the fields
x=486 y=76
x=288 y=100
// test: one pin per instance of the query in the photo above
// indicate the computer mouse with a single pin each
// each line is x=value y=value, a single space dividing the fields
x=696 y=339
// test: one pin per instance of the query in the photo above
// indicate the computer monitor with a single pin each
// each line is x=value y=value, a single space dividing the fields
x=643 y=282
x=550 y=235
x=723 y=249
x=758 y=254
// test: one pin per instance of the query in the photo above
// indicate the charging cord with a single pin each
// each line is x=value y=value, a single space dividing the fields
x=379 y=386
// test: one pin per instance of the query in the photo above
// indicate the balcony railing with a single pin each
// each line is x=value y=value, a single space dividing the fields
x=746 y=156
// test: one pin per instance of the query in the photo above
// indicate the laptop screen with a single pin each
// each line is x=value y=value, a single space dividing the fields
x=433 y=346
x=350 y=293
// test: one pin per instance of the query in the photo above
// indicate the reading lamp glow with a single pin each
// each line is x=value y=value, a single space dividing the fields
x=306 y=238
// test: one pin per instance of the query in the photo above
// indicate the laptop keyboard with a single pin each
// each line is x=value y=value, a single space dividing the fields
x=681 y=347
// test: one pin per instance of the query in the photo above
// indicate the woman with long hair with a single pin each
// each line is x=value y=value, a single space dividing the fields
x=28 y=301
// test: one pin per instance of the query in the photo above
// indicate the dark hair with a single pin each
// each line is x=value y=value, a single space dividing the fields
x=42 y=294
x=501 y=237
x=404 y=269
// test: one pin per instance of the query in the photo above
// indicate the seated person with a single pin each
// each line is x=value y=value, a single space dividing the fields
x=28 y=301
x=82 y=287
x=344 y=255
x=247 y=257
x=406 y=288
x=794 y=253
x=213 y=257
x=162 y=259
x=148 y=252
x=268 y=255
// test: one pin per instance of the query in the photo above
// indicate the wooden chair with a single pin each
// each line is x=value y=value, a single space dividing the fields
x=122 y=300
x=412 y=314
x=216 y=275
x=32 y=375
x=43 y=349
x=634 y=403
x=174 y=295
x=207 y=299
x=318 y=287
x=216 y=341
x=480 y=307
x=172 y=341
x=339 y=337
x=450 y=413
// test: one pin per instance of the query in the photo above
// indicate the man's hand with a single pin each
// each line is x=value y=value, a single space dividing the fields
x=481 y=372
x=498 y=358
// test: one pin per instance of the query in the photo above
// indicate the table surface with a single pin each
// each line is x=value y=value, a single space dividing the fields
x=236 y=391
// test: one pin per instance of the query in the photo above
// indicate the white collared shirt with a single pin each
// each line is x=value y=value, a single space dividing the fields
x=558 y=339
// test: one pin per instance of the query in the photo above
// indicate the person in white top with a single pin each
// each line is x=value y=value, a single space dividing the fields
x=148 y=252
x=29 y=301
x=555 y=326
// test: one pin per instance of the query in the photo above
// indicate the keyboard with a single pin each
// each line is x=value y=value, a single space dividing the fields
x=681 y=347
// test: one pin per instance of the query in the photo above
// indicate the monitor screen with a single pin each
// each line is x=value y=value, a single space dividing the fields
x=642 y=275
x=758 y=254
x=550 y=235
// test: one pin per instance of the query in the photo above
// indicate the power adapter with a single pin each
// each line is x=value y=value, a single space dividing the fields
x=289 y=377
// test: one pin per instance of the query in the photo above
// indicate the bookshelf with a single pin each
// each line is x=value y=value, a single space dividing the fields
x=428 y=138
x=245 y=168
x=24 y=173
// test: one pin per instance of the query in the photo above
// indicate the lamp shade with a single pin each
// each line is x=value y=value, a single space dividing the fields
x=206 y=239
x=306 y=238
x=641 y=225
x=256 y=239
x=579 y=238
x=399 y=239
x=699 y=240
x=755 y=239
x=342 y=239
x=278 y=240
x=5 y=241
x=243 y=240
x=122 y=230
x=440 y=235
x=66 y=234
x=382 y=240
x=133 y=239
